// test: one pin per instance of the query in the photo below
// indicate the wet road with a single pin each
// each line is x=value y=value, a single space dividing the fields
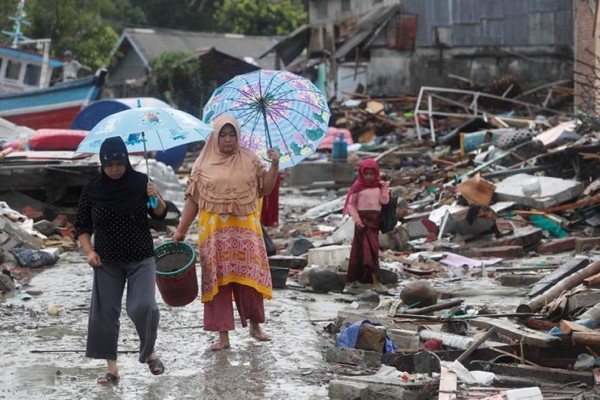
x=42 y=354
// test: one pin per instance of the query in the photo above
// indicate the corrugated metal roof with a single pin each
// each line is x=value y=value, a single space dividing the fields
x=153 y=42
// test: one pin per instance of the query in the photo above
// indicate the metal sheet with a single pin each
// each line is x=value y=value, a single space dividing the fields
x=541 y=28
x=542 y=5
x=465 y=11
x=516 y=30
x=492 y=32
x=466 y=35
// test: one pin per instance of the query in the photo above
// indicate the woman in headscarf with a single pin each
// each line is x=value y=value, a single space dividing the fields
x=224 y=189
x=114 y=208
x=363 y=203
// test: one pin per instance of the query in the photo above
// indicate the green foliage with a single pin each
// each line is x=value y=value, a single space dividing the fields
x=260 y=17
x=174 y=77
x=74 y=25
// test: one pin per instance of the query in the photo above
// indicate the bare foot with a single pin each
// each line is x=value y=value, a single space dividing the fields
x=218 y=346
x=257 y=333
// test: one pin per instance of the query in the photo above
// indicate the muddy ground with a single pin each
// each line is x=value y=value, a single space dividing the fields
x=43 y=353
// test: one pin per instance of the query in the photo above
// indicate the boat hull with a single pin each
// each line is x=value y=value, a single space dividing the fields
x=52 y=108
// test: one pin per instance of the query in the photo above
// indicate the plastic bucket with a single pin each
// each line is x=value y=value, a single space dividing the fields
x=279 y=277
x=176 y=273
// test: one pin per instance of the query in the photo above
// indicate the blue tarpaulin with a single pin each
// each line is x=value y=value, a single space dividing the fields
x=349 y=335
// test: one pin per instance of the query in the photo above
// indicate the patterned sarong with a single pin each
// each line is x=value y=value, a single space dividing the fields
x=232 y=250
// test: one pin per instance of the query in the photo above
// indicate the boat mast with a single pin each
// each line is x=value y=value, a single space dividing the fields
x=19 y=39
x=17 y=33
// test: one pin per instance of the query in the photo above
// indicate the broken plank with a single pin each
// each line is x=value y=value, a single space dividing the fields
x=557 y=275
x=568 y=327
x=509 y=328
x=447 y=389
x=555 y=375
x=589 y=338
x=592 y=281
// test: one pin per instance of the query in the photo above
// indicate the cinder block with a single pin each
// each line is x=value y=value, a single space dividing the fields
x=345 y=355
x=329 y=255
x=404 y=339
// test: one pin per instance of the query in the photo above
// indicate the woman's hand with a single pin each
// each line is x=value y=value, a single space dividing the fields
x=93 y=259
x=177 y=236
x=273 y=157
x=360 y=225
x=152 y=190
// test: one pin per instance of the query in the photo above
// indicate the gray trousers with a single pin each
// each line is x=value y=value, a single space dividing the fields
x=105 y=309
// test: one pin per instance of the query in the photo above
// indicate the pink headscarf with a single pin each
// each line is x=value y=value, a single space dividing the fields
x=360 y=183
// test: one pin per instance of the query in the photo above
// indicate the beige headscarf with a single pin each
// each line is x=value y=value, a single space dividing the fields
x=226 y=183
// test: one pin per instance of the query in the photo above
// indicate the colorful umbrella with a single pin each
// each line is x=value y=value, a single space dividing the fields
x=275 y=109
x=146 y=129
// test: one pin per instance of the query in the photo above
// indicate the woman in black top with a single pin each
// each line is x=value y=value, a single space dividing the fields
x=113 y=207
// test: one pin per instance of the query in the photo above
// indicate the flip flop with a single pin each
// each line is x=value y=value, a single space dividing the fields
x=155 y=365
x=261 y=337
x=108 y=378
x=218 y=346
x=381 y=289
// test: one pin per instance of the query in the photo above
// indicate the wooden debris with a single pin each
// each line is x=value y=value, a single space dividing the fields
x=448 y=380
x=511 y=329
x=476 y=344
x=570 y=282
x=568 y=327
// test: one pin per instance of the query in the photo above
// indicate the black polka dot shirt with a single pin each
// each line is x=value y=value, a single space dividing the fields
x=117 y=237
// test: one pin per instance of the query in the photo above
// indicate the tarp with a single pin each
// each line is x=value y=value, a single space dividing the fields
x=87 y=118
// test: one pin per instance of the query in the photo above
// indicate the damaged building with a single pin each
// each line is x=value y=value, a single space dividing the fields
x=387 y=47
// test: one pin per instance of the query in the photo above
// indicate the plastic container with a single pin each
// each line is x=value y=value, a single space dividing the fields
x=340 y=149
x=176 y=273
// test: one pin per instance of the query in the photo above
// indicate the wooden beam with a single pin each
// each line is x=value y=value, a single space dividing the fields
x=568 y=327
x=447 y=389
x=509 y=328
x=592 y=281
x=476 y=345
x=589 y=338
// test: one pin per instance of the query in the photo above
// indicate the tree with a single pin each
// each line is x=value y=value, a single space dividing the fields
x=260 y=17
x=174 y=76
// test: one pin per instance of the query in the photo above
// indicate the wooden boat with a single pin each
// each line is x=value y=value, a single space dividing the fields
x=26 y=96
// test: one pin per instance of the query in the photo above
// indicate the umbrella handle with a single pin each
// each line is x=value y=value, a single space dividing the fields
x=153 y=202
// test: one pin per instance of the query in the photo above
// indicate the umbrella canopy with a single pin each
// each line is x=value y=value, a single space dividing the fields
x=146 y=129
x=275 y=109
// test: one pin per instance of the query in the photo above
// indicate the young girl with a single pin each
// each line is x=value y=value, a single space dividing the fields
x=363 y=202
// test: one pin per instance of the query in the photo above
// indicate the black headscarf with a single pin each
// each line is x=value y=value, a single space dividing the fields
x=121 y=194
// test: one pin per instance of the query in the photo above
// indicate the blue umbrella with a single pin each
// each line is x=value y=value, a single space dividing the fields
x=146 y=129
x=275 y=109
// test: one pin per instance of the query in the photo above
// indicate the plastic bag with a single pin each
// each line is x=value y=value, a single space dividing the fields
x=33 y=258
x=269 y=245
x=389 y=220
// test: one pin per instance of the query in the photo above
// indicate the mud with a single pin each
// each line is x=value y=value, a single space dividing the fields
x=43 y=342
